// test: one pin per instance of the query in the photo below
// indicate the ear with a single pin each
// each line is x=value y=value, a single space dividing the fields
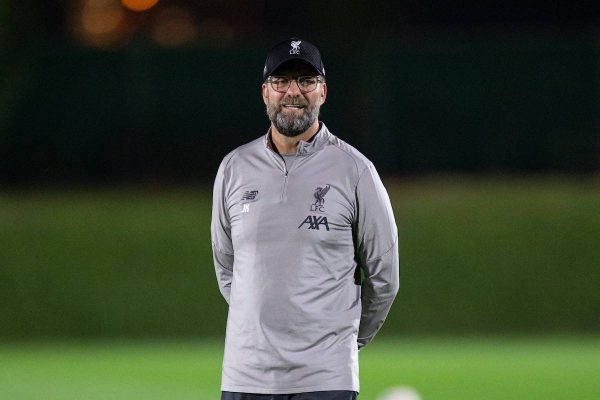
x=323 y=93
x=265 y=93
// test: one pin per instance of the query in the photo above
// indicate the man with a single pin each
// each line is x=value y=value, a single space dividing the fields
x=297 y=214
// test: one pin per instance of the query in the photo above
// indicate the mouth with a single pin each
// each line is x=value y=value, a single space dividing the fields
x=292 y=106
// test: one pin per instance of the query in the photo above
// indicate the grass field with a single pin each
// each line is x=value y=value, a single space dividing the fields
x=439 y=369
x=479 y=255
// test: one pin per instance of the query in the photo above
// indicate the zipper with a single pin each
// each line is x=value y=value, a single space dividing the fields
x=285 y=179
x=286 y=171
x=283 y=196
x=284 y=188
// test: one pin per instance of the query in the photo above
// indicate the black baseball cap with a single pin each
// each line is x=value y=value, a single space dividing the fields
x=293 y=49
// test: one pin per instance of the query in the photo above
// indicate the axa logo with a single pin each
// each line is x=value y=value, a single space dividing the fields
x=295 y=46
x=314 y=222
x=319 y=204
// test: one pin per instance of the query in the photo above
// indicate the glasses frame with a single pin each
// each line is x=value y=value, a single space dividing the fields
x=319 y=78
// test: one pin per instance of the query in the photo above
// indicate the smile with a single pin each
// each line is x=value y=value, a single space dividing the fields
x=293 y=106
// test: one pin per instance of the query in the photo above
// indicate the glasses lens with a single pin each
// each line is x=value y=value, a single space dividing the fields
x=307 y=83
x=280 y=83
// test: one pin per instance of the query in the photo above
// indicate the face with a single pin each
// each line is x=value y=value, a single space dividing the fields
x=293 y=112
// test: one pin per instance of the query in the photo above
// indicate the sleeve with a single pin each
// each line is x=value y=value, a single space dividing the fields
x=377 y=253
x=220 y=230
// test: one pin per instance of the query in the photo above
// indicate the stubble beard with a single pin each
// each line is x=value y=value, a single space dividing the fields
x=292 y=125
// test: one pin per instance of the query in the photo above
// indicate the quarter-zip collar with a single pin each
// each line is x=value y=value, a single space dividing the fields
x=304 y=148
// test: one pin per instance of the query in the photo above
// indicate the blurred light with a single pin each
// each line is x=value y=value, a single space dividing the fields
x=174 y=26
x=99 y=22
x=139 y=5
x=400 y=393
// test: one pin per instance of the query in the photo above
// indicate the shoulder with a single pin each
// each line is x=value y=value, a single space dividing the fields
x=241 y=152
x=348 y=155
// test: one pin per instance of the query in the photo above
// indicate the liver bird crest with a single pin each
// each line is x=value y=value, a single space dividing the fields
x=320 y=193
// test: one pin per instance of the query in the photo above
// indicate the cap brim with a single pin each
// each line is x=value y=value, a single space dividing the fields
x=280 y=64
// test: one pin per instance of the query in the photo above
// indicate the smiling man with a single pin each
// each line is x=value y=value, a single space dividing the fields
x=294 y=109
x=305 y=246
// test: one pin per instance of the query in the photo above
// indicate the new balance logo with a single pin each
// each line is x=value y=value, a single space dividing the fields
x=246 y=208
x=314 y=222
x=249 y=195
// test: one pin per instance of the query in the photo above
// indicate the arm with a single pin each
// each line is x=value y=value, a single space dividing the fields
x=220 y=229
x=377 y=251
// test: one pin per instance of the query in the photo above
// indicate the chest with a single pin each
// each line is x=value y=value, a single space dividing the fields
x=307 y=204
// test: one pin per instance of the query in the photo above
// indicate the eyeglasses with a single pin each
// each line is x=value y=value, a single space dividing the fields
x=306 y=84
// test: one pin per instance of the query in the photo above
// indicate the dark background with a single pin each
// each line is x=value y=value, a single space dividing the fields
x=95 y=93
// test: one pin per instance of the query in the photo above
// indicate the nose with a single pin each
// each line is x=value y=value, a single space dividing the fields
x=294 y=89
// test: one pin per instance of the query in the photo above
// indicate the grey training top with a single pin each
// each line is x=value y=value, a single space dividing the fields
x=286 y=246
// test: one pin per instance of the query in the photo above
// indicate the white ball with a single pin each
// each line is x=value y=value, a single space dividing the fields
x=400 y=393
